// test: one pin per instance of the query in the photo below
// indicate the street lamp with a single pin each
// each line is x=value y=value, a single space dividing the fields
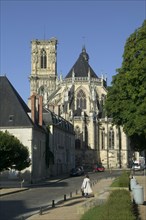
x=107 y=148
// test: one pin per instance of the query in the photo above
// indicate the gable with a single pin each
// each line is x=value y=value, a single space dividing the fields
x=13 y=110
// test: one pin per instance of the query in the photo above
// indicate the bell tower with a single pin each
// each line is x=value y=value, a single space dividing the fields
x=43 y=67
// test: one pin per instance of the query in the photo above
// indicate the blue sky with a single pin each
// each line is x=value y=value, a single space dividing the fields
x=102 y=26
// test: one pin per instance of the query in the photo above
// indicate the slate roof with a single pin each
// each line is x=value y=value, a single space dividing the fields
x=13 y=110
x=81 y=66
x=51 y=118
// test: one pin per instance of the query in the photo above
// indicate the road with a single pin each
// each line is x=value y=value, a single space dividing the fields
x=23 y=204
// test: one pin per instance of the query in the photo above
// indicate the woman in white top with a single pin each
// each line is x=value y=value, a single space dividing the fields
x=86 y=186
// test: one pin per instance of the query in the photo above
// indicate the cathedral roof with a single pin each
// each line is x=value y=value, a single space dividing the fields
x=81 y=68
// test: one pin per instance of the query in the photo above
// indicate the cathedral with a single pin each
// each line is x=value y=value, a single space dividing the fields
x=79 y=98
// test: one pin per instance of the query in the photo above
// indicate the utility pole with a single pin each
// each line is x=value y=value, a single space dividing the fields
x=107 y=148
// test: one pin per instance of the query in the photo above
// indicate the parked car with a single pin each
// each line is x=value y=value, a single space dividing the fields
x=77 y=171
x=98 y=168
x=136 y=166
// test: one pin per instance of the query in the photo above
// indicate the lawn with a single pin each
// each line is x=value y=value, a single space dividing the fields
x=118 y=205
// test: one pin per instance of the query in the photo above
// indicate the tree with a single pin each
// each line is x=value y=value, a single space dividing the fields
x=12 y=153
x=126 y=99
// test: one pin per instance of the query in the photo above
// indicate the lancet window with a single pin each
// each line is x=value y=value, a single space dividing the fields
x=43 y=59
x=81 y=100
x=111 y=139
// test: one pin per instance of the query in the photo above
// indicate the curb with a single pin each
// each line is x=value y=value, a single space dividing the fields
x=12 y=192
x=98 y=199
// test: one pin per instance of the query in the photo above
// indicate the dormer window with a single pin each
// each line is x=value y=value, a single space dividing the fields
x=43 y=59
x=11 y=117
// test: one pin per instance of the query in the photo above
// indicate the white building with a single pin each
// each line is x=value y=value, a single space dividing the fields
x=31 y=128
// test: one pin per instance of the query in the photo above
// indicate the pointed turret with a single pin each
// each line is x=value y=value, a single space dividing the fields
x=81 y=66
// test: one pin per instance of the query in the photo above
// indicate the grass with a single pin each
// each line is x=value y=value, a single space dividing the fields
x=118 y=205
x=122 y=181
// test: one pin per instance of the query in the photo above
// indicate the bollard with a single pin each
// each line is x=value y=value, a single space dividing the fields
x=64 y=197
x=138 y=194
x=133 y=183
x=41 y=211
x=22 y=183
x=53 y=203
x=76 y=191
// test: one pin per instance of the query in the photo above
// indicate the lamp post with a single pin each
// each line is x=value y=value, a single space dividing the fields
x=107 y=148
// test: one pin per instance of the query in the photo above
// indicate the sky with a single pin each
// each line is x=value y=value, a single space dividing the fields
x=103 y=26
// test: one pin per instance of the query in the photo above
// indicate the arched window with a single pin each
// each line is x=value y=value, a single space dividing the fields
x=43 y=59
x=81 y=100
x=111 y=139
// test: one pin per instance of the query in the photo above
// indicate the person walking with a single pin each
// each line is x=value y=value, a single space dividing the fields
x=86 y=187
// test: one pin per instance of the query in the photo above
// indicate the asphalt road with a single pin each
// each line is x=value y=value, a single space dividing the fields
x=26 y=203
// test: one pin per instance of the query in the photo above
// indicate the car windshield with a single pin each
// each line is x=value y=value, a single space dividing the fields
x=136 y=164
x=98 y=165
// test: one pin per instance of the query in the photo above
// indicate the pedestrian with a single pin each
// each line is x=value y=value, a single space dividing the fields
x=86 y=187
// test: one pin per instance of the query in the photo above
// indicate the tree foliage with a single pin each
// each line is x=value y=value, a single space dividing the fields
x=126 y=99
x=12 y=153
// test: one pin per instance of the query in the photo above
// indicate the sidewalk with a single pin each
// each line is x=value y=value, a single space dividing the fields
x=73 y=208
x=6 y=187
x=142 y=208
x=7 y=191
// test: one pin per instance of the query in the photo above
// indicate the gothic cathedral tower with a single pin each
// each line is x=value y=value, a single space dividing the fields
x=43 y=67
x=79 y=97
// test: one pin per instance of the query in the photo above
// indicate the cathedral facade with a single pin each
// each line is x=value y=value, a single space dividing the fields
x=79 y=98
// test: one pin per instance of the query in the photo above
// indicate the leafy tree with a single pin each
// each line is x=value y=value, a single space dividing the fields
x=12 y=153
x=126 y=99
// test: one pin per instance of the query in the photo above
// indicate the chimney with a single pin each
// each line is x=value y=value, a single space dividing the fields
x=33 y=108
x=40 y=110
